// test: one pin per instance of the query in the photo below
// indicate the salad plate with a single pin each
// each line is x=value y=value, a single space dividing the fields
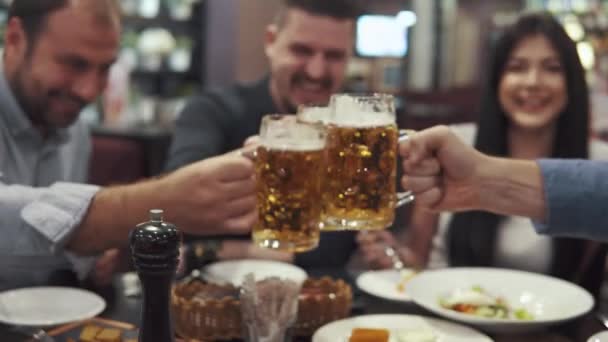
x=388 y=284
x=499 y=300
x=602 y=336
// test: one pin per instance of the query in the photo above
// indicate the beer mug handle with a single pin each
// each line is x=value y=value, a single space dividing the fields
x=405 y=134
x=406 y=196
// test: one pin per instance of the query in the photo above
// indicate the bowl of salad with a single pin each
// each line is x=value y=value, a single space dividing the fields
x=499 y=300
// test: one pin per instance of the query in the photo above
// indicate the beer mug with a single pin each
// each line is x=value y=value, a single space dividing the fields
x=359 y=188
x=289 y=165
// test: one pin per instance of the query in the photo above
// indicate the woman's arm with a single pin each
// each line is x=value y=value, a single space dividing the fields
x=419 y=237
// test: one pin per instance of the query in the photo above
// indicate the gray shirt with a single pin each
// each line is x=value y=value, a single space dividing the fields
x=40 y=201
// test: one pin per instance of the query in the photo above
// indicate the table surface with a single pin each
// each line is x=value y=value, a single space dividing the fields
x=128 y=309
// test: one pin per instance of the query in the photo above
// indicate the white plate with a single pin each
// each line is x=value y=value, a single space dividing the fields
x=549 y=300
x=384 y=284
x=234 y=271
x=47 y=306
x=339 y=331
x=602 y=336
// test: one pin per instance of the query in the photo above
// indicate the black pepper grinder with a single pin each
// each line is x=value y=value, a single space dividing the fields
x=155 y=251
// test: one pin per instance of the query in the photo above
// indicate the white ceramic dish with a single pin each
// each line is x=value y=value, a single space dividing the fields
x=234 y=271
x=602 y=336
x=339 y=331
x=549 y=300
x=48 y=306
x=384 y=284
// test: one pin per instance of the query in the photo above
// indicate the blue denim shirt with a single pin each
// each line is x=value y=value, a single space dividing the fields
x=41 y=202
x=576 y=196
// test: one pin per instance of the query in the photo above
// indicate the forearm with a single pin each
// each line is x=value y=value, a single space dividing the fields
x=419 y=238
x=113 y=213
x=511 y=187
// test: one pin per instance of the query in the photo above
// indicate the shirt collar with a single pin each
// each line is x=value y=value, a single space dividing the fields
x=16 y=119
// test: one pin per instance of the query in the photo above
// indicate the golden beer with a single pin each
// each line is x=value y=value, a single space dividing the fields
x=288 y=191
x=359 y=189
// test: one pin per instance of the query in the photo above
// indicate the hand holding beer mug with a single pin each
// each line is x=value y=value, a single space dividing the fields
x=289 y=165
x=359 y=189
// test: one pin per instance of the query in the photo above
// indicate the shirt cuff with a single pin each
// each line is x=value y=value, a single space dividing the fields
x=566 y=197
x=59 y=210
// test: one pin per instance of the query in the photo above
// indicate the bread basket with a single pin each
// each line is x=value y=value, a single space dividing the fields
x=205 y=311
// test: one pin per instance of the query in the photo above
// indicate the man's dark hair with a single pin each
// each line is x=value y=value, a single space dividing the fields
x=33 y=14
x=338 y=9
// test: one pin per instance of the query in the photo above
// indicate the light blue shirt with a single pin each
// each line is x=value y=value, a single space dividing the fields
x=41 y=202
x=576 y=196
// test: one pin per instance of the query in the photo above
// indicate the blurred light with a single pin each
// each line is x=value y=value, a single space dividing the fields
x=586 y=54
x=503 y=19
x=381 y=36
x=580 y=5
x=602 y=20
x=555 y=5
x=574 y=28
x=535 y=4
x=407 y=18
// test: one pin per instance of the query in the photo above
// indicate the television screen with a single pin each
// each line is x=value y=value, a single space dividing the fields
x=381 y=36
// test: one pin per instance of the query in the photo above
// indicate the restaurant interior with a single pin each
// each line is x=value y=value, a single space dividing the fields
x=174 y=49
x=431 y=56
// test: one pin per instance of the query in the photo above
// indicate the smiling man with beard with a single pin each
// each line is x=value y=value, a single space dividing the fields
x=57 y=54
x=308 y=47
x=307 y=53
x=54 y=70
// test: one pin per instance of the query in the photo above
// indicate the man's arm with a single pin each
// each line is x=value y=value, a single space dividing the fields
x=112 y=213
x=447 y=175
x=213 y=196
x=208 y=197
x=510 y=187
x=565 y=197
x=570 y=196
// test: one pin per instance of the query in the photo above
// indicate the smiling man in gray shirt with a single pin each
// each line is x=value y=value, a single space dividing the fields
x=56 y=59
x=28 y=159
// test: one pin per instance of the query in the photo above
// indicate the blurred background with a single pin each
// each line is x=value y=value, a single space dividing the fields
x=431 y=57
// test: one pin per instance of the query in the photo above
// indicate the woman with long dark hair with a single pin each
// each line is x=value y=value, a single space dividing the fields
x=535 y=105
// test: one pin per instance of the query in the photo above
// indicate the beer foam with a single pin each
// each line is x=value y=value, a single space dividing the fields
x=348 y=112
x=291 y=145
x=315 y=114
x=363 y=119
